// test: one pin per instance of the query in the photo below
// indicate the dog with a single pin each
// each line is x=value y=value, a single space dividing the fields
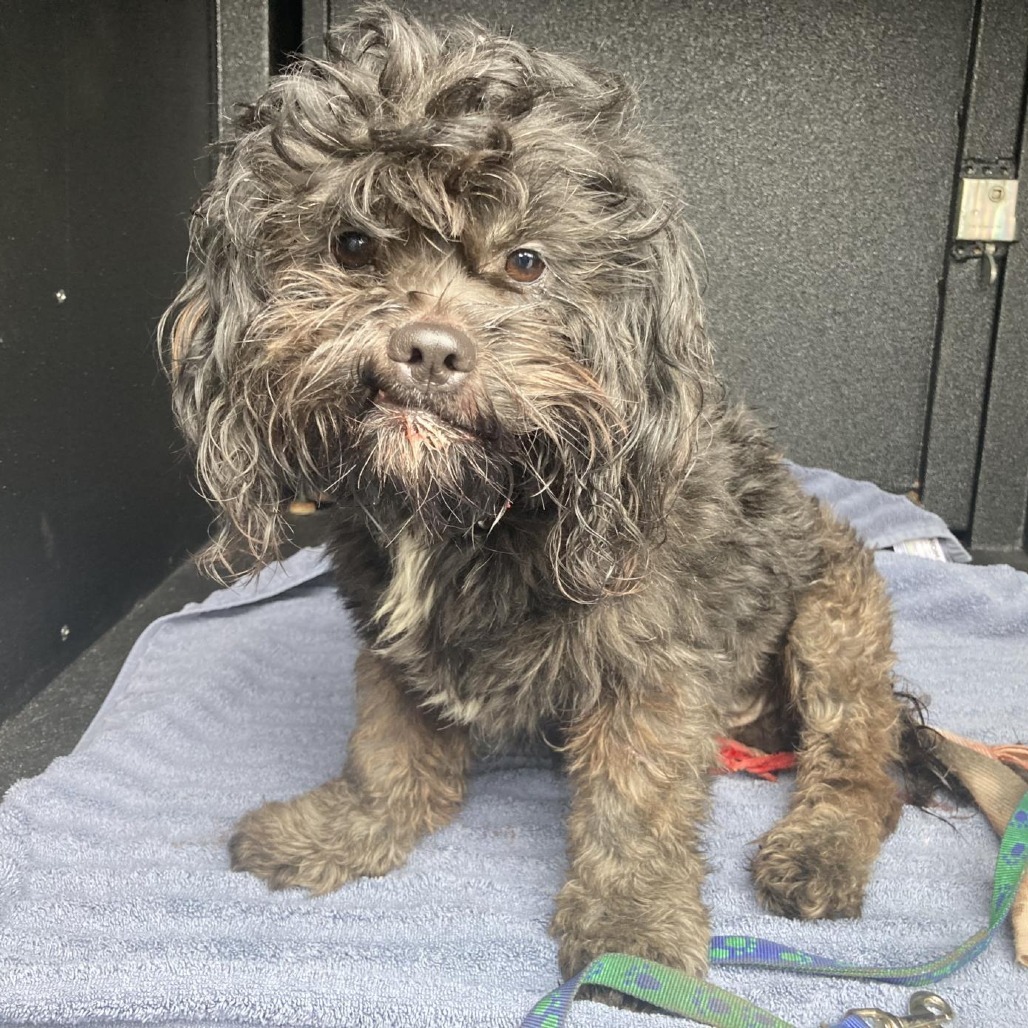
x=444 y=280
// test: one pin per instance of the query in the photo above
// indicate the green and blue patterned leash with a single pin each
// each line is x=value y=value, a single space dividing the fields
x=678 y=993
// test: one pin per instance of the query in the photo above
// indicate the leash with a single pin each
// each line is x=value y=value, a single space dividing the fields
x=675 y=992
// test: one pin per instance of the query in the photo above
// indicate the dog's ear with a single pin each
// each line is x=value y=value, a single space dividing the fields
x=678 y=377
x=653 y=356
x=203 y=337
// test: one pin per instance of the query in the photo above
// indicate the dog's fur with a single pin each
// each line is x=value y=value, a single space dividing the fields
x=559 y=520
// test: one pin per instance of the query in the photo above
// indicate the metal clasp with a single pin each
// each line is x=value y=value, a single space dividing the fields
x=986 y=221
x=988 y=209
x=924 y=1010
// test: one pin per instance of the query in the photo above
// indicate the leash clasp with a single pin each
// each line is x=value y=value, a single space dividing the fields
x=924 y=1010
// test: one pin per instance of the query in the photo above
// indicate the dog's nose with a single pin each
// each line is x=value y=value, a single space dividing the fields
x=434 y=356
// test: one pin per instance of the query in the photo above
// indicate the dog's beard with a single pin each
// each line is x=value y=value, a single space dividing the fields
x=446 y=466
x=409 y=466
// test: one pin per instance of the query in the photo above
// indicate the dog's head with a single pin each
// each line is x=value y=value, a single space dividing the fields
x=442 y=278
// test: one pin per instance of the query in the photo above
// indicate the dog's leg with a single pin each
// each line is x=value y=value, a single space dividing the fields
x=404 y=776
x=838 y=667
x=639 y=773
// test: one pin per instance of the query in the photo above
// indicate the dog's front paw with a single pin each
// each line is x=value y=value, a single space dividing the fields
x=276 y=845
x=669 y=933
x=317 y=842
x=813 y=868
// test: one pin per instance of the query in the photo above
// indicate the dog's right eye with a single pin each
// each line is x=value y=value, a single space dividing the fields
x=524 y=265
x=353 y=250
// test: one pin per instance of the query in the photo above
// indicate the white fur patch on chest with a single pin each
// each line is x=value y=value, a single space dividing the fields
x=406 y=605
x=404 y=617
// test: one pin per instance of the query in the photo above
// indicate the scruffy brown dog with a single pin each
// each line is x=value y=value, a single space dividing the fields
x=442 y=279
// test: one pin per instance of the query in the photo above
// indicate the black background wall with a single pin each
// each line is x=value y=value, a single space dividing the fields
x=820 y=144
x=105 y=118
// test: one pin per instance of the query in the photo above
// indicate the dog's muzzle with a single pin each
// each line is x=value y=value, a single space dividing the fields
x=431 y=357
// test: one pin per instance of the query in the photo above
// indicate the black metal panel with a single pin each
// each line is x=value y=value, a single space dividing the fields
x=243 y=56
x=315 y=26
x=994 y=110
x=1001 y=499
x=992 y=125
x=106 y=109
x=816 y=141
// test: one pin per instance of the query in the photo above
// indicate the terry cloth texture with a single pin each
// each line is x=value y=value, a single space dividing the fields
x=117 y=906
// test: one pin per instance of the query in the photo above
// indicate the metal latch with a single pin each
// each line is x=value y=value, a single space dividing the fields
x=987 y=217
x=925 y=1010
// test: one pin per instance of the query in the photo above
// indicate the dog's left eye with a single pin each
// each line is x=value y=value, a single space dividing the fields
x=524 y=265
x=353 y=249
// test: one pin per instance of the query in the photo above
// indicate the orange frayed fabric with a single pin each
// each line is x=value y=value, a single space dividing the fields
x=734 y=756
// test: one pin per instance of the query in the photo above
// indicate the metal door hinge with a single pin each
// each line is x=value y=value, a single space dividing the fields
x=987 y=215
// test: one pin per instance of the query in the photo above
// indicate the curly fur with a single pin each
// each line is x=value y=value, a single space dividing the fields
x=581 y=530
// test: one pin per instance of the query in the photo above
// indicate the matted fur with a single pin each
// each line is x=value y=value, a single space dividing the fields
x=576 y=529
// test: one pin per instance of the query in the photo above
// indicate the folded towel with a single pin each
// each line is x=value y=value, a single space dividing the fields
x=883 y=520
x=117 y=906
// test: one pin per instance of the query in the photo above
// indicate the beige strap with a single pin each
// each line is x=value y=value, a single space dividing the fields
x=997 y=790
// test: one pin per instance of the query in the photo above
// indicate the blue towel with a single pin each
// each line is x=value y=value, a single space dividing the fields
x=883 y=520
x=117 y=906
